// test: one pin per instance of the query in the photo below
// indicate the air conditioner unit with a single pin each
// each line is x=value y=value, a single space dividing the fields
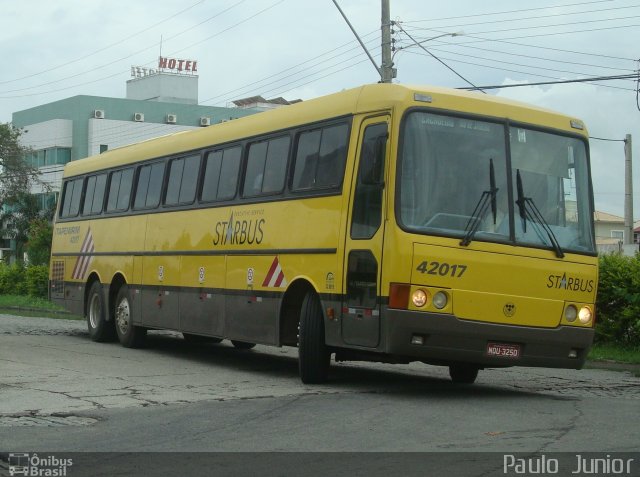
x=171 y=118
x=139 y=117
x=205 y=121
x=98 y=113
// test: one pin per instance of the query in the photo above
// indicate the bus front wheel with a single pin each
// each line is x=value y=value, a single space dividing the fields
x=100 y=329
x=313 y=354
x=130 y=336
x=463 y=373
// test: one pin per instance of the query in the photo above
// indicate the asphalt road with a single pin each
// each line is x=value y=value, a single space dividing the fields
x=61 y=392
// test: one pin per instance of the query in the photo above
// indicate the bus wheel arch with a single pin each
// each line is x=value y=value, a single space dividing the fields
x=290 y=309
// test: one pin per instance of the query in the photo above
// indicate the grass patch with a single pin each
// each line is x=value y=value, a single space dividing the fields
x=608 y=352
x=22 y=305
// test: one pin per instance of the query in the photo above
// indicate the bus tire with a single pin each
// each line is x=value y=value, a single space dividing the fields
x=242 y=344
x=130 y=335
x=199 y=339
x=463 y=373
x=313 y=354
x=100 y=329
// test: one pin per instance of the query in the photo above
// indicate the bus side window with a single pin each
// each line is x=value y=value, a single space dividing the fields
x=221 y=174
x=320 y=158
x=120 y=190
x=183 y=179
x=367 y=202
x=149 y=186
x=266 y=167
x=94 y=194
x=71 y=198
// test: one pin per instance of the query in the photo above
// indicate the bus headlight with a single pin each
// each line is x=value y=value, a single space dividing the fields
x=570 y=313
x=440 y=300
x=419 y=298
x=585 y=315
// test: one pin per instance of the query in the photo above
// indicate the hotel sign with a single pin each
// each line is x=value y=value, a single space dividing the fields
x=175 y=65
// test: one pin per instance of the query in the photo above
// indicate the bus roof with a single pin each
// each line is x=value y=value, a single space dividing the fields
x=363 y=99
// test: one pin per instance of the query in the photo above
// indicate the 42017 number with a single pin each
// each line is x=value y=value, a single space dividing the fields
x=443 y=269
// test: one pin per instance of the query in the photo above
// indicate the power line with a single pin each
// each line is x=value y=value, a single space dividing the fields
x=511 y=11
x=434 y=56
x=519 y=19
x=88 y=55
x=580 y=80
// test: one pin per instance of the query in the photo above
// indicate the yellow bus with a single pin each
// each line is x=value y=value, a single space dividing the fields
x=387 y=223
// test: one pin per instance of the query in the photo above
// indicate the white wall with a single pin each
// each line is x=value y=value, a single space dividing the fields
x=114 y=133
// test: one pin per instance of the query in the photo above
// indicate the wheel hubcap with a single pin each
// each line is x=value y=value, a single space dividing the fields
x=94 y=311
x=123 y=316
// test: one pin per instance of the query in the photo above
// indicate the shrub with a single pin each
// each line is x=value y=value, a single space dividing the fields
x=618 y=301
x=36 y=279
x=12 y=279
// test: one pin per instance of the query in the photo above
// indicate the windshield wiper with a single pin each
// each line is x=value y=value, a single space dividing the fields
x=487 y=197
x=528 y=210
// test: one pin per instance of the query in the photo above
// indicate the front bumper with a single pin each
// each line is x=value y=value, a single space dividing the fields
x=448 y=339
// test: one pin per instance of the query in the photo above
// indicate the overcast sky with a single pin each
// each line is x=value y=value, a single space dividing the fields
x=304 y=49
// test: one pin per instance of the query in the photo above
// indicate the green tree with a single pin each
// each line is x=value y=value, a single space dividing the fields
x=18 y=208
x=39 y=241
x=16 y=175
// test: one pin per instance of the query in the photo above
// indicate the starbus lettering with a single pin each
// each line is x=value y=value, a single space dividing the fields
x=239 y=232
x=564 y=282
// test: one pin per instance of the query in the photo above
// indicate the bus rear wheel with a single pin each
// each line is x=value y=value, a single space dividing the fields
x=463 y=373
x=313 y=354
x=100 y=329
x=130 y=336
x=242 y=344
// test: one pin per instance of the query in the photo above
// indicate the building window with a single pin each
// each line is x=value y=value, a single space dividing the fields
x=618 y=234
x=104 y=148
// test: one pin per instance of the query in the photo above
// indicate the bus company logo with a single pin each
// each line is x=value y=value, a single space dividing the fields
x=275 y=276
x=85 y=258
x=509 y=309
x=564 y=282
x=239 y=231
x=33 y=465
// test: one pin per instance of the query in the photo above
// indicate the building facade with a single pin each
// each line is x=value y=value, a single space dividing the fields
x=158 y=103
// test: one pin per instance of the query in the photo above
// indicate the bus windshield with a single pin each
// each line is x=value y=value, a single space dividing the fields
x=456 y=180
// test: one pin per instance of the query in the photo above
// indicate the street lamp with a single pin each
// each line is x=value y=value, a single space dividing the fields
x=458 y=33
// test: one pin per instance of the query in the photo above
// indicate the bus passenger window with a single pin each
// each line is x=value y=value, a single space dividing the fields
x=183 y=178
x=320 y=158
x=120 y=190
x=149 y=186
x=221 y=174
x=94 y=195
x=266 y=167
x=71 y=198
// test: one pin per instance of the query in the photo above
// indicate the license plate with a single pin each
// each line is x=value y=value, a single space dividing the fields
x=503 y=350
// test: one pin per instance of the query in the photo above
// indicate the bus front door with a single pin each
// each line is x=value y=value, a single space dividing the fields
x=363 y=248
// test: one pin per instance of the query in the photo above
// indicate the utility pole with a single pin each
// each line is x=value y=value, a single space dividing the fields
x=628 y=192
x=386 y=69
